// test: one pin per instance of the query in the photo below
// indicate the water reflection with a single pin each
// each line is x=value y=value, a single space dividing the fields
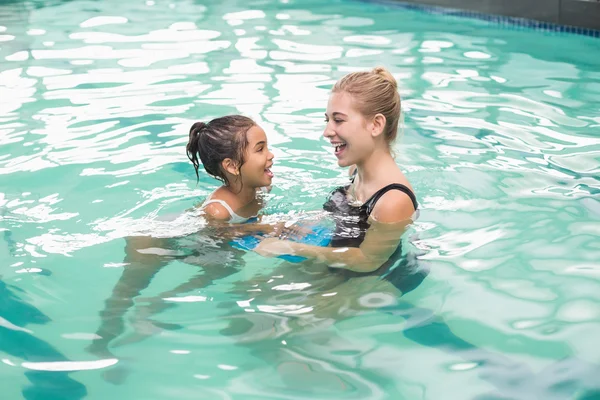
x=316 y=335
x=19 y=342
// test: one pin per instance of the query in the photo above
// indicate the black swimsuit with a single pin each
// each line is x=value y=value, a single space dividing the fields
x=351 y=225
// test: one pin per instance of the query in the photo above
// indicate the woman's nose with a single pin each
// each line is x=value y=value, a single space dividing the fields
x=328 y=132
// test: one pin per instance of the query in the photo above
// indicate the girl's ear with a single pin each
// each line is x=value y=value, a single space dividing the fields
x=379 y=121
x=230 y=166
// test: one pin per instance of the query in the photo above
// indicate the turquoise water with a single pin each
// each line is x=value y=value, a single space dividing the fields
x=501 y=142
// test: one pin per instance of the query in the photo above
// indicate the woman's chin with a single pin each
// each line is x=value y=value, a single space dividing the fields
x=344 y=163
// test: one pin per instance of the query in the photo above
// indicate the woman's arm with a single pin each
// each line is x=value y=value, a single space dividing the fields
x=389 y=220
x=381 y=240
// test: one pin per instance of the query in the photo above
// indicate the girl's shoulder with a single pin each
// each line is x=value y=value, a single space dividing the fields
x=218 y=205
x=222 y=205
x=217 y=210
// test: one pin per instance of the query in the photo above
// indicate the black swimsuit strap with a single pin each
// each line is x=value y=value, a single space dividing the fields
x=370 y=204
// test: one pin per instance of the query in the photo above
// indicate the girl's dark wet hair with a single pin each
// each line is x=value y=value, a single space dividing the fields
x=221 y=138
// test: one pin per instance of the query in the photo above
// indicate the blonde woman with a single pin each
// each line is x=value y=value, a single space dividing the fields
x=373 y=211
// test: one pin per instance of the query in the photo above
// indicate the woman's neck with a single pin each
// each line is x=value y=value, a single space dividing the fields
x=379 y=164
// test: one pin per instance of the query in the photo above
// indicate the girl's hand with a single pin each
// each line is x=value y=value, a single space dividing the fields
x=273 y=247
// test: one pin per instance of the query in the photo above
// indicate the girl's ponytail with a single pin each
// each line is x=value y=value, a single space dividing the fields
x=192 y=148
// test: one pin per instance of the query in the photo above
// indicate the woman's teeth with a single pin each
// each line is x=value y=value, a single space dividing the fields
x=338 y=147
x=268 y=172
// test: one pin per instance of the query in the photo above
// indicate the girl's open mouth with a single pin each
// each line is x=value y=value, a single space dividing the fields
x=269 y=172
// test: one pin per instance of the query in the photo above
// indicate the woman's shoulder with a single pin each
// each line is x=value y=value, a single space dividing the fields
x=397 y=202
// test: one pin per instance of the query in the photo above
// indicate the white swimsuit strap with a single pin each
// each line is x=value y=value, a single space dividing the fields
x=234 y=218
x=221 y=202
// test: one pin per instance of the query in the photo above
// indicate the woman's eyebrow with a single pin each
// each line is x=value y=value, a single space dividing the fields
x=259 y=143
x=337 y=113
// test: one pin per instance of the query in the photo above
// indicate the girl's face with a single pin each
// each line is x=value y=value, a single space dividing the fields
x=347 y=130
x=256 y=170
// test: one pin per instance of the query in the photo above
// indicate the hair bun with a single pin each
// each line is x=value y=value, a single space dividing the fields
x=386 y=75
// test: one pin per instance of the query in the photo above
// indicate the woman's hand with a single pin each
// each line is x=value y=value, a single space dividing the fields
x=273 y=247
x=294 y=231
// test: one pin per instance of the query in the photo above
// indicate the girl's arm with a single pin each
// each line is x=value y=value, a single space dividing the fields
x=219 y=221
x=218 y=218
x=274 y=229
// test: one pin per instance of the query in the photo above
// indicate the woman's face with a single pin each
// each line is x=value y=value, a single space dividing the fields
x=347 y=130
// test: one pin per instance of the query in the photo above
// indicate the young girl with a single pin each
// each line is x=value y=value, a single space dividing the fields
x=372 y=212
x=234 y=150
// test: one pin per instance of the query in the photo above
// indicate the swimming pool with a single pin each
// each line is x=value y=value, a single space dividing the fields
x=501 y=142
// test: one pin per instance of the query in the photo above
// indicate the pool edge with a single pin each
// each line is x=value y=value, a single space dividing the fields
x=580 y=17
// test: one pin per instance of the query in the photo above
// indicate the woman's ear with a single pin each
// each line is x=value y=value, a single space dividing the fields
x=379 y=122
x=230 y=166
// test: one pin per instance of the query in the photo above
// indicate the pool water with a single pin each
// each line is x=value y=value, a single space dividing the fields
x=501 y=142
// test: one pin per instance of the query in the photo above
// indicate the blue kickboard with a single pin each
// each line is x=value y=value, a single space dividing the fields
x=320 y=236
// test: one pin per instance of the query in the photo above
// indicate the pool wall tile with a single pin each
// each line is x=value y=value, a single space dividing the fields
x=543 y=10
x=562 y=16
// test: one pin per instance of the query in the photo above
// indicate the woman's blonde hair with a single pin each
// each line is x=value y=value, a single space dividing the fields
x=374 y=92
